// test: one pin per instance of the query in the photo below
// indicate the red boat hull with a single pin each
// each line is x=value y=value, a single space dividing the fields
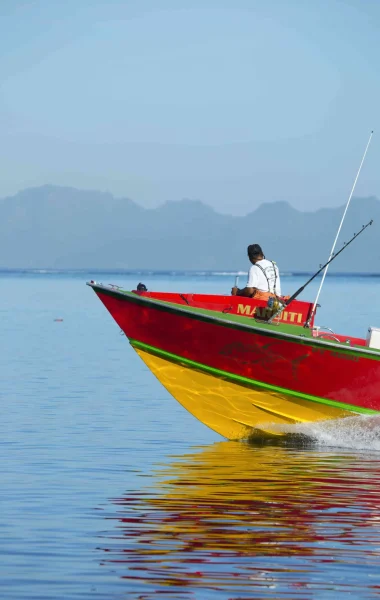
x=338 y=374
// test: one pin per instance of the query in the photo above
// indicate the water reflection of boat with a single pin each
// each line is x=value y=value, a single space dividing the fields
x=238 y=518
x=237 y=374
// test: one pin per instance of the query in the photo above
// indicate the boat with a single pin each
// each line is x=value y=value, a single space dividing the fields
x=241 y=370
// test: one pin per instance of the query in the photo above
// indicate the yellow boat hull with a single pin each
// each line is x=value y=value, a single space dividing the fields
x=232 y=410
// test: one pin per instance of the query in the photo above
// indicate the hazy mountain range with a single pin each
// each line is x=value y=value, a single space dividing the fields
x=60 y=227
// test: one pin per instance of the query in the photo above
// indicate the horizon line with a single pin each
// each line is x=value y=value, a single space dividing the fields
x=171 y=272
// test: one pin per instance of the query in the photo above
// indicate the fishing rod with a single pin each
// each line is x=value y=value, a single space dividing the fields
x=338 y=232
x=301 y=289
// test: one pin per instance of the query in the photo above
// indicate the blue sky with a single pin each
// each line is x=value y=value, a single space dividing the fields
x=230 y=102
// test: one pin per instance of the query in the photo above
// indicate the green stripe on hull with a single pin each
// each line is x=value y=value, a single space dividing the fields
x=249 y=382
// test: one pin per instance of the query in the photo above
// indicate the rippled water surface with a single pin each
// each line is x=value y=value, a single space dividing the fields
x=109 y=489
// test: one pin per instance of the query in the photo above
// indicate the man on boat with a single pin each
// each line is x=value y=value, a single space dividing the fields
x=263 y=277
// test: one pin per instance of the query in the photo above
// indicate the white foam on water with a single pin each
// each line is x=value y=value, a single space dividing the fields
x=360 y=432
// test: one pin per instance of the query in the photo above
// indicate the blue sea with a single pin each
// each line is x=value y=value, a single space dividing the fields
x=111 y=490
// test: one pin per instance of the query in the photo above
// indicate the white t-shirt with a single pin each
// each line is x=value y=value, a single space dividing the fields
x=258 y=280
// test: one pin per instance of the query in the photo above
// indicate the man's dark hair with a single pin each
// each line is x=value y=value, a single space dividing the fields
x=254 y=250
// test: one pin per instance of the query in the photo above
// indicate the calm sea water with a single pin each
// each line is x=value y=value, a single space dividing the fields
x=109 y=489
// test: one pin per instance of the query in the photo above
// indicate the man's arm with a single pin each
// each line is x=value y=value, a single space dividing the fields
x=247 y=291
x=250 y=289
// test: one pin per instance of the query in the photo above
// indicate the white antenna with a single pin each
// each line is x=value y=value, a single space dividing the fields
x=340 y=227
